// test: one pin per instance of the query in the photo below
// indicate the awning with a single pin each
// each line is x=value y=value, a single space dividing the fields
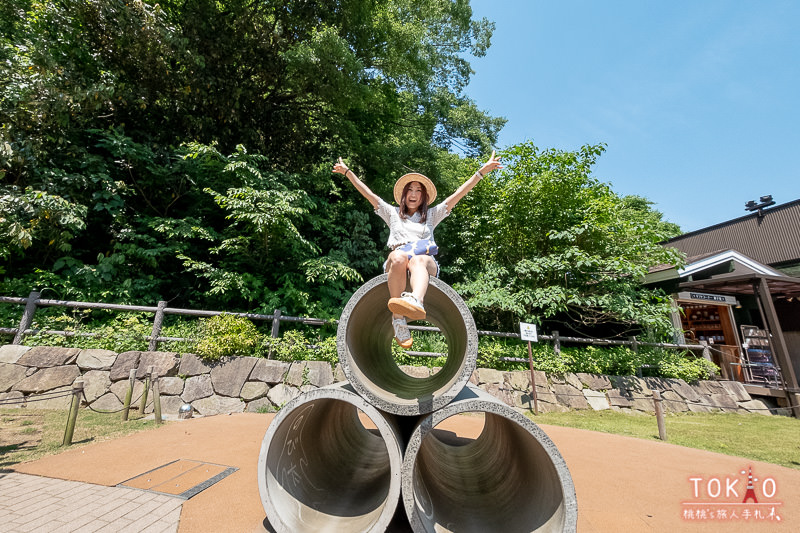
x=778 y=285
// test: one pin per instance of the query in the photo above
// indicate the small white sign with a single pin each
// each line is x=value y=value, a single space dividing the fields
x=527 y=332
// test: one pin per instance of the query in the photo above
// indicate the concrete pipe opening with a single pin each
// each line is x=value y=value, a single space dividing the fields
x=364 y=342
x=509 y=478
x=330 y=462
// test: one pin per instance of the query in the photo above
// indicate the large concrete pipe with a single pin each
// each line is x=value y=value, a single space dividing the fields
x=364 y=341
x=322 y=470
x=510 y=478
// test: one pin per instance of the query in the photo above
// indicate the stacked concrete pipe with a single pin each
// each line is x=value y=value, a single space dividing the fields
x=338 y=458
x=322 y=469
x=510 y=478
x=364 y=343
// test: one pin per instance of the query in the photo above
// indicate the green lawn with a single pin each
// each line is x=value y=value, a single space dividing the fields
x=28 y=434
x=772 y=439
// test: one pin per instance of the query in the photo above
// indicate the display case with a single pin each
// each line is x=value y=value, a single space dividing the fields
x=709 y=323
x=713 y=324
x=760 y=366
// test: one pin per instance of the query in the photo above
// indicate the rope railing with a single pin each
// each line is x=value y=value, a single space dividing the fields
x=276 y=317
x=51 y=395
x=89 y=405
x=33 y=301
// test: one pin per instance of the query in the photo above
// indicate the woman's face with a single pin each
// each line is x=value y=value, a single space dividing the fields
x=414 y=196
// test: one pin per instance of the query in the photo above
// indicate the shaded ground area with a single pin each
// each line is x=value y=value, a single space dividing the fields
x=19 y=430
x=622 y=483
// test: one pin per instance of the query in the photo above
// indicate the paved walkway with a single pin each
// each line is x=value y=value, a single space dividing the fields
x=34 y=503
x=622 y=483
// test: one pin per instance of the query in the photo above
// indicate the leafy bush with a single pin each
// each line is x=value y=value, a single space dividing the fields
x=227 y=335
x=295 y=346
x=613 y=360
x=676 y=365
x=291 y=346
x=182 y=328
x=120 y=333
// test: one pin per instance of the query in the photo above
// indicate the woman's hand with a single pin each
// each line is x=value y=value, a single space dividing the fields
x=340 y=167
x=492 y=164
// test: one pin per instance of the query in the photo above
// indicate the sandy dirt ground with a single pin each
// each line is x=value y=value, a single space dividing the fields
x=622 y=483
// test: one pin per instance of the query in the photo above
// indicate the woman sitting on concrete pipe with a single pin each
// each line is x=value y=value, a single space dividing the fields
x=411 y=226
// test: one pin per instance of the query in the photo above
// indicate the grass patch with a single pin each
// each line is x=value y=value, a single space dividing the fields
x=29 y=434
x=772 y=439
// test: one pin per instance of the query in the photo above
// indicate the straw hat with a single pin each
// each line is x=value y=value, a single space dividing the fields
x=430 y=188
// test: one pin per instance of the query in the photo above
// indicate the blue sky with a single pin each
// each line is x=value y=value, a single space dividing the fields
x=698 y=101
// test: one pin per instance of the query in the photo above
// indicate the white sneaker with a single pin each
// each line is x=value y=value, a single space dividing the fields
x=401 y=333
x=408 y=306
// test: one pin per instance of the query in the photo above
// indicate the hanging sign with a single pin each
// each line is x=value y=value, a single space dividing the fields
x=705 y=297
x=527 y=332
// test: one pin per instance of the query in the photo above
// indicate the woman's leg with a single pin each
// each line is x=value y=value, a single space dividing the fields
x=421 y=268
x=397 y=269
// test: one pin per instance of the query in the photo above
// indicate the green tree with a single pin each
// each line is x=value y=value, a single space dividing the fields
x=544 y=239
x=132 y=117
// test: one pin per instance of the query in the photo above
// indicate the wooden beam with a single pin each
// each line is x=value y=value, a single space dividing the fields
x=778 y=344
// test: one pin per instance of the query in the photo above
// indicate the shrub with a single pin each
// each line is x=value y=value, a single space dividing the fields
x=291 y=346
x=687 y=368
x=295 y=346
x=612 y=360
x=119 y=333
x=227 y=335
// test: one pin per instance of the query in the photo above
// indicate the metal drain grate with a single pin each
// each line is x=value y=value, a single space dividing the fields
x=181 y=478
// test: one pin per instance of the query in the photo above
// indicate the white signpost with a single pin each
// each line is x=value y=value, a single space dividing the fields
x=527 y=332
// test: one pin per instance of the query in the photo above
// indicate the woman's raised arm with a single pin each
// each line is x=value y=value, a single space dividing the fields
x=490 y=165
x=341 y=168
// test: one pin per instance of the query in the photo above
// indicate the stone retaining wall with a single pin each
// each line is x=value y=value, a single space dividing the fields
x=33 y=377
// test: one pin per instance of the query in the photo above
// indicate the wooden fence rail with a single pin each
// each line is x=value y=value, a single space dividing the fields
x=33 y=301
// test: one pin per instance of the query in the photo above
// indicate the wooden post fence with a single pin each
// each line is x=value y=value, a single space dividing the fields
x=556 y=343
x=156 y=400
x=662 y=428
x=126 y=407
x=27 y=316
x=77 y=394
x=147 y=378
x=157 y=321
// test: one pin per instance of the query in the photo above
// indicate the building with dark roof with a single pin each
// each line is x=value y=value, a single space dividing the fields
x=769 y=236
x=739 y=292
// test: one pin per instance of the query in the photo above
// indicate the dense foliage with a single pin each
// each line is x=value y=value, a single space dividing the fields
x=182 y=151
x=546 y=239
